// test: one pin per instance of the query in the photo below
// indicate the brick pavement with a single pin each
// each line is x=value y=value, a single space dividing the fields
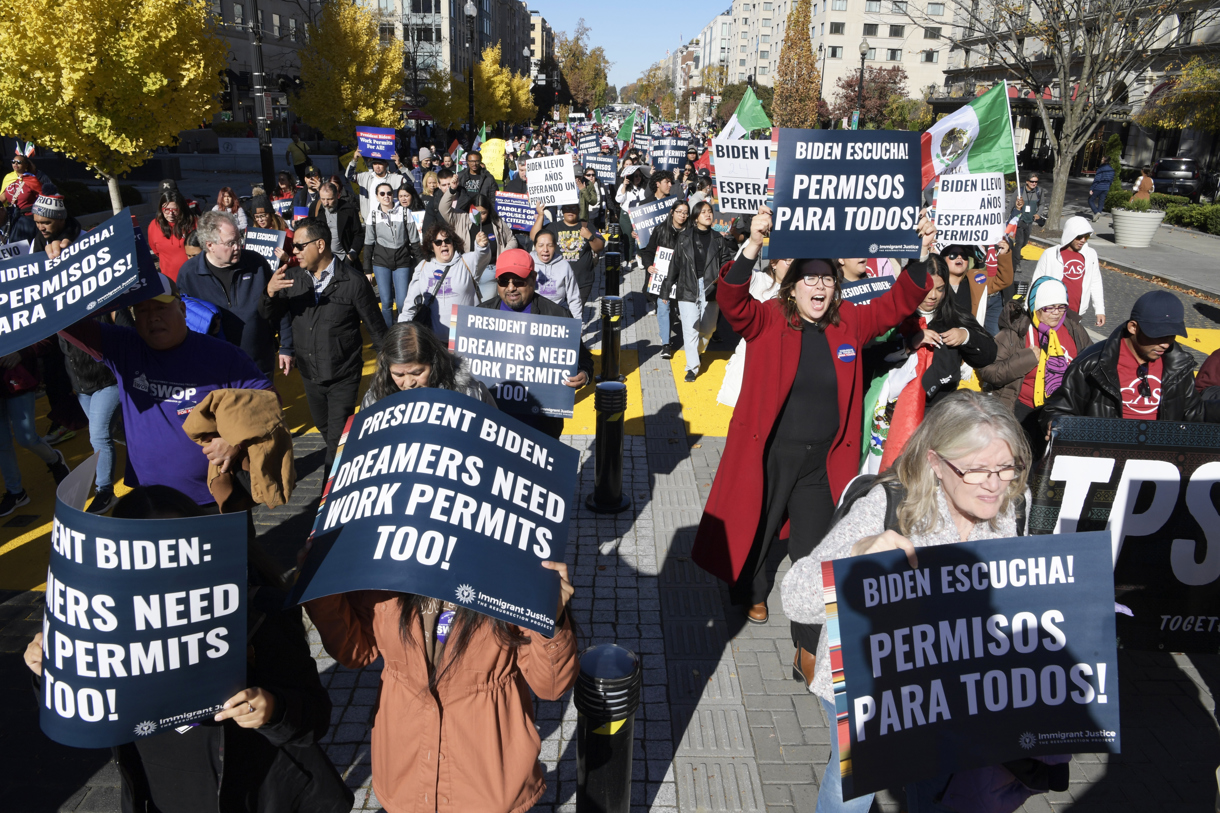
x=722 y=726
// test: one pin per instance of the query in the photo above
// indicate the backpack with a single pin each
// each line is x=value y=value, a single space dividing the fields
x=895 y=492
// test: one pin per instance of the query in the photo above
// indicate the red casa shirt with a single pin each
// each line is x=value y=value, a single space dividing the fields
x=1073 y=276
x=1135 y=405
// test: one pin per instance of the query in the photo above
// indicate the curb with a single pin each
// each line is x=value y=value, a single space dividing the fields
x=1143 y=273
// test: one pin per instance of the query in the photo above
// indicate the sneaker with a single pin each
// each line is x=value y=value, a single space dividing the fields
x=59 y=469
x=11 y=502
x=58 y=435
x=103 y=501
x=667 y=351
x=691 y=375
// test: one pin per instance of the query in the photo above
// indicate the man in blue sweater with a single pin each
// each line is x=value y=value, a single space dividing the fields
x=1100 y=188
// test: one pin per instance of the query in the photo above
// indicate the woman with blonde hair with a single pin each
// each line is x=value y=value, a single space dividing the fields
x=961 y=477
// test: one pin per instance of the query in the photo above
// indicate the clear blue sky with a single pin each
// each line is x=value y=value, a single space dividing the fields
x=635 y=33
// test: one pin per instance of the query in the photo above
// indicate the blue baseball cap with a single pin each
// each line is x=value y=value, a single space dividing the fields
x=1159 y=314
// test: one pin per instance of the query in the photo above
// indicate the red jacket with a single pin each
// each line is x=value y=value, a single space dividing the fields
x=734 y=507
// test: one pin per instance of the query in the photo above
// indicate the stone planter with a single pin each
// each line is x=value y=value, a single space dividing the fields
x=1135 y=229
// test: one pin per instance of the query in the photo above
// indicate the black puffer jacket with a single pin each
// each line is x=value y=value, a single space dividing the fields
x=88 y=375
x=1091 y=388
x=663 y=236
x=327 y=326
x=687 y=275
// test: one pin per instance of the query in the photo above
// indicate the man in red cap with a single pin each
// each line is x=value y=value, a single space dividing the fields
x=516 y=283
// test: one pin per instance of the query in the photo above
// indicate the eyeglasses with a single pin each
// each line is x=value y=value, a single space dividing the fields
x=976 y=477
x=229 y=244
x=446 y=242
x=511 y=281
x=825 y=280
x=170 y=210
x=1054 y=308
x=954 y=255
x=1145 y=389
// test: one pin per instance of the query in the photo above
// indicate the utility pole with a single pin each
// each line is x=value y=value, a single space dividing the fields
x=262 y=98
x=471 y=12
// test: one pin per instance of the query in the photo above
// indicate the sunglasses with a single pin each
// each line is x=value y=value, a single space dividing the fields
x=446 y=242
x=511 y=281
x=1145 y=389
x=976 y=477
x=954 y=255
x=385 y=194
x=301 y=246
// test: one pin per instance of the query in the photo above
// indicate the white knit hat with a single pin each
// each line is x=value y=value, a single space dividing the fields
x=1049 y=291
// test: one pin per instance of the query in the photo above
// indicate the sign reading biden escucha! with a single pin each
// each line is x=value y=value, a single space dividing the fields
x=40 y=296
x=843 y=193
x=145 y=624
x=523 y=358
x=438 y=494
x=989 y=651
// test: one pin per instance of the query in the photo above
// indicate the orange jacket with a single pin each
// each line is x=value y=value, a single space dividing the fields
x=471 y=746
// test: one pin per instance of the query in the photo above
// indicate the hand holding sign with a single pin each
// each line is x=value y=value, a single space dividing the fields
x=886 y=540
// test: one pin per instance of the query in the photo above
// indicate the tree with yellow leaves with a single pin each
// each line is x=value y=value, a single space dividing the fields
x=106 y=83
x=350 y=77
x=499 y=94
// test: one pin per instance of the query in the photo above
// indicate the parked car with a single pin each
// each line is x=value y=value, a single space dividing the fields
x=1178 y=176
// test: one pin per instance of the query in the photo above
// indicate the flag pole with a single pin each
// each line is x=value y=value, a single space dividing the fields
x=1016 y=168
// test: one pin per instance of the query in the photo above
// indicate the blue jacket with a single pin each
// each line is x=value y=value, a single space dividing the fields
x=240 y=322
x=1102 y=179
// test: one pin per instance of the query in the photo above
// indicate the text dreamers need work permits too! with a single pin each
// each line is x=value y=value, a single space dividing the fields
x=846 y=194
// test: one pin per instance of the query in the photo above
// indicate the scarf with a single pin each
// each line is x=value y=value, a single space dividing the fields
x=1052 y=360
x=909 y=408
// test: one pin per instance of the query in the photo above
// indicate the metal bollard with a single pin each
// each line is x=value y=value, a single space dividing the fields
x=614 y=266
x=612 y=326
x=607 y=695
x=610 y=401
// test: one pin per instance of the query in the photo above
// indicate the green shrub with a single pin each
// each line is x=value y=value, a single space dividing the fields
x=1161 y=201
x=1137 y=205
x=1114 y=151
x=1116 y=197
x=1129 y=175
x=1203 y=218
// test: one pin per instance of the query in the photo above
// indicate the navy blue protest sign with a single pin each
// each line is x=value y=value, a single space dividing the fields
x=588 y=143
x=264 y=242
x=606 y=167
x=145 y=625
x=375 y=142
x=648 y=215
x=515 y=210
x=668 y=154
x=862 y=291
x=40 y=296
x=1150 y=485
x=988 y=652
x=438 y=494
x=523 y=358
x=643 y=143
x=844 y=193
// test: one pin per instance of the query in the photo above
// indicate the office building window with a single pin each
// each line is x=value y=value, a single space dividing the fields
x=762 y=70
x=275 y=25
x=765 y=38
x=385 y=6
x=931 y=33
x=899 y=7
x=741 y=77
x=766 y=6
x=872 y=6
x=386 y=34
x=929 y=56
x=292 y=28
x=871 y=55
x=766 y=23
x=898 y=30
x=936 y=9
x=741 y=63
x=838 y=5
x=870 y=29
x=724 y=29
x=836 y=52
x=764 y=54
x=837 y=28
x=893 y=54
x=238 y=14
x=742 y=49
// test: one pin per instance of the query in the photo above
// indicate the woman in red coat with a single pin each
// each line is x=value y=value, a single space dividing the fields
x=791 y=448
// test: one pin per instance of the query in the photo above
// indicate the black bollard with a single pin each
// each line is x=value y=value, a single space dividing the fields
x=614 y=265
x=612 y=326
x=610 y=401
x=607 y=695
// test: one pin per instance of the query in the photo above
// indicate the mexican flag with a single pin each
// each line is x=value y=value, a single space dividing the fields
x=977 y=138
x=624 y=132
x=748 y=116
x=480 y=138
x=597 y=115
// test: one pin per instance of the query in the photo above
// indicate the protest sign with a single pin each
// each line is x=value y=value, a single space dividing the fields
x=375 y=142
x=40 y=296
x=661 y=261
x=10 y=250
x=741 y=174
x=646 y=216
x=551 y=180
x=264 y=242
x=145 y=624
x=588 y=143
x=606 y=167
x=283 y=207
x=438 y=494
x=970 y=209
x=515 y=210
x=989 y=651
x=841 y=193
x=523 y=358
x=493 y=157
x=864 y=290
x=299 y=212
x=643 y=143
x=668 y=154
x=1149 y=485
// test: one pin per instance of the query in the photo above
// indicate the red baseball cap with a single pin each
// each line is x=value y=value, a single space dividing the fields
x=515 y=261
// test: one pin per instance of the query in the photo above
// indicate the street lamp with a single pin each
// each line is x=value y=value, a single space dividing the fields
x=860 y=88
x=471 y=13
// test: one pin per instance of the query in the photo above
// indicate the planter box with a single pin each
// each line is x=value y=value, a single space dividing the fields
x=1135 y=229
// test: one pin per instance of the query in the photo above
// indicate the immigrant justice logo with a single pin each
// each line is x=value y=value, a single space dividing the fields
x=465 y=593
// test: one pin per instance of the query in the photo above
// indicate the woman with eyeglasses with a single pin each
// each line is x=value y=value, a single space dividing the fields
x=960 y=478
x=446 y=279
x=391 y=249
x=1034 y=350
x=263 y=216
x=664 y=235
x=168 y=231
x=793 y=443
